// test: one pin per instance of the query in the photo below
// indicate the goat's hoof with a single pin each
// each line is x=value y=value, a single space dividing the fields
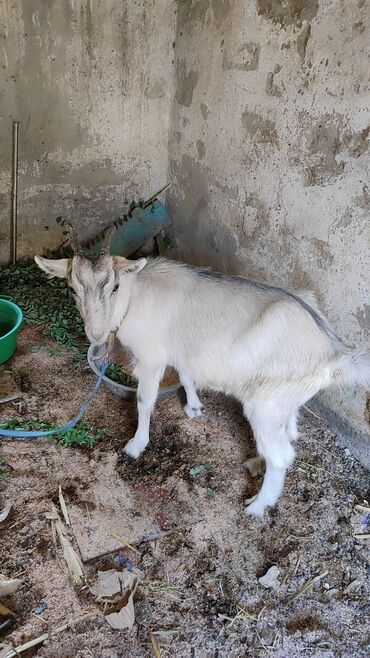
x=255 y=466
x=132 y=449
x=255 y=508
x=193 y=412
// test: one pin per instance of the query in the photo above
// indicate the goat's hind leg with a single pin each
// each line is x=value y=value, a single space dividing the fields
x=193 y=407
x=291 y=427
x=273 y=444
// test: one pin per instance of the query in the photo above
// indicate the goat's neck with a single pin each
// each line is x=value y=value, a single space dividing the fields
x=123 y=301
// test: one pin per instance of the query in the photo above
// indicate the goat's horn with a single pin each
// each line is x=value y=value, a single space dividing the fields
x=105 y=250
x=73 y=240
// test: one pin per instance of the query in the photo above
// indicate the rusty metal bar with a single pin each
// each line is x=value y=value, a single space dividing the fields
x=14 y=209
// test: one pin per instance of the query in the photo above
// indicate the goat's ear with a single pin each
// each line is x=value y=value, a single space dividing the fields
x=124 y=266
x=58 y=267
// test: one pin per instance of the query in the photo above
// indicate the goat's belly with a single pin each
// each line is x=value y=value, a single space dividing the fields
x=241 y=377
x=217 y=375
x=228 y=385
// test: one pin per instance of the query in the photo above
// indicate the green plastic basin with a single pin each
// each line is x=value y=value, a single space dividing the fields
x=11 y=320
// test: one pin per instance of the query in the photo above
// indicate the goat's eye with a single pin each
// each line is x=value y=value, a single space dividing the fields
x=72 y=290
x=115 y=287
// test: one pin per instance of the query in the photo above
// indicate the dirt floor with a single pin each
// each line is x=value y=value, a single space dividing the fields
x=199 y=592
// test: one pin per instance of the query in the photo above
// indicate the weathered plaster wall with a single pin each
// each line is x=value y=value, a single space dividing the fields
x=90 y=83
x=269 y=152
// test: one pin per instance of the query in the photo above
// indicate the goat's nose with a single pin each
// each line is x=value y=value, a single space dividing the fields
x=96 y=338
x=98 y=341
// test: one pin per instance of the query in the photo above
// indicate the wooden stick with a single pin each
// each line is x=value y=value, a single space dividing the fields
x=311 y=412
x=5 y=611
x=169 y=631
x=154 y=196
x=5 y=512
x=125 y=543
x=296 y=566
x=63 y=506
x=141 y=540
x=362 y=508
x=161 y=535
x=362 y=536
x=155 y=645
x=309 y=584
x=13 y=653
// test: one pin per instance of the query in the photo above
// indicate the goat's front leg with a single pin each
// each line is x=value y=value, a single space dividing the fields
x=193 y=407
x=147 y=391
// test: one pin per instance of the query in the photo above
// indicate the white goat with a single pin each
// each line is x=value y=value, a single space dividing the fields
x=269 y=348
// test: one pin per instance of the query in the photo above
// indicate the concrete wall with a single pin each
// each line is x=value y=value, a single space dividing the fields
x=269 y=153
x=89 y=80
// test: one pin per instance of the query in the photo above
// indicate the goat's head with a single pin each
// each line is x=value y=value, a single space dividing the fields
x=101 y=287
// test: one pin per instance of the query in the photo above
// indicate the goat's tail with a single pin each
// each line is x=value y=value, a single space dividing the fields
x=351 y=368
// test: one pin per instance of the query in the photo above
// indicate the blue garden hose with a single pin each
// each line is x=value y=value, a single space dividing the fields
x=21 y=435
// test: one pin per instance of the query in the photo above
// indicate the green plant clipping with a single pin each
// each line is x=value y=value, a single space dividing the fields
x=81 y=435
x=198 y=470
x=47 y=303
x=116 y=374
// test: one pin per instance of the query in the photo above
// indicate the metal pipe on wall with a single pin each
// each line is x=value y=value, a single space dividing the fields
x=14 y=211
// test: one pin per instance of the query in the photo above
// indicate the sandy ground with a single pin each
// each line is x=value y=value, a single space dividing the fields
x=199 y=580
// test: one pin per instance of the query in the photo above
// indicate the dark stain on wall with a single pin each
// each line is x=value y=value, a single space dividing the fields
x=290 y=12
x=38 y=104
x=260 y=224
x=201 y=149
x=323 y=254
x=204 y=110
x=4 y=201
x=221 y=9
x=271 y=88
x=202 y=236
x=259 y=129
x=300 y=279
x=326 y=140
x=302 y=41
x=246 y=58
x=88 y=32
x=359 y=27
x=359 y=143
x=186 y=83
x=363 y=317
x=190 y=12
x=363 y=199
x=156 y=90
x=192 y=179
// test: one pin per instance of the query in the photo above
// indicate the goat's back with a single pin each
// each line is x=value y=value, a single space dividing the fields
x=222 y=328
